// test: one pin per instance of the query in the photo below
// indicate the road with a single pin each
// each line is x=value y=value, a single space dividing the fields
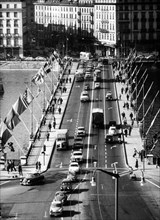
x=86 y=202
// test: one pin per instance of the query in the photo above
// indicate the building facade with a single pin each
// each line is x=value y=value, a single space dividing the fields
x=12 y=28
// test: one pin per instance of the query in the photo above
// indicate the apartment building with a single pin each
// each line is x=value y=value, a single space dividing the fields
x=12 y=28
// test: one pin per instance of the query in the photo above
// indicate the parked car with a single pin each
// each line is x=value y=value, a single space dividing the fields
x=84 y=97
x=109 y=95
x=77 y=156
x=60 y=196
x=32 y=178
x=66 y=185
x=97 y=85
x=74 y=167
x=81 y=132
x=56 y=208
x=78 y=143
x=72 y=177
x=86 y=86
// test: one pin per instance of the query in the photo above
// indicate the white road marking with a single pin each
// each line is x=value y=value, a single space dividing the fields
x=153 y=183
x=4 y=183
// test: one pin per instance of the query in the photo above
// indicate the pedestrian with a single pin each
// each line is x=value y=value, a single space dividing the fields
x=127 y=105
x=39 y=135
x=20 y=170
x=136 y=165
x=132 y=121
x=8 y=166
x=129 y=130
x=126 y=89
x=49 y=126
x=125 y=121
x=127 y=96
x=123 y=115
x=125 y=132
x=54 y=124
x=70 y=80
x=59 y=110
x=39 y=166
x=122 y=89
x=131 y=116
x=135 y=152
x=48 y=136
x=124 y=105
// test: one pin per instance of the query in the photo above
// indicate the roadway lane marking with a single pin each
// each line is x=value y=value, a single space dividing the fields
x=153 y=183
x=90 y=124
x=4 y=183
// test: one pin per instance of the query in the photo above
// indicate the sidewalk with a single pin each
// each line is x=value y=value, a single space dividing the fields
x=133 y=141
x=37 y=152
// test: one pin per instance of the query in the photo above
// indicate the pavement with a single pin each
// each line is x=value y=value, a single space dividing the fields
x=132 y=142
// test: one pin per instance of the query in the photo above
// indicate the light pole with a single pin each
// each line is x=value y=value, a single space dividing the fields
x=115 y=175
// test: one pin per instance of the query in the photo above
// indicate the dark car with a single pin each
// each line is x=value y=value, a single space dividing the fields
x=32 y=179
x=66 y=186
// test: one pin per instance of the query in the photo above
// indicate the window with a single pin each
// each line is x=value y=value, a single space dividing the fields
x=1 y=31
x=7 y=6
x=0 y=5
x=7 y=14
x=15 y=14
x=8 y=41
x=15 y=23
x=1 y=23
x=8 y=23
x=8 y=31
x=15 y=5
x=15 y=31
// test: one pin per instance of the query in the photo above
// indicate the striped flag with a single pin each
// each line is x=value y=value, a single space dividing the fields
x=4 y=133
x=12 y=119
x=39 y=77
x=27 y=97
x=19 y=106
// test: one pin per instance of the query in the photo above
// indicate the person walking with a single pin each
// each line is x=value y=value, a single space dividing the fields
x=54 y=124
x=48 y=136
x=122 y=89
x=125 y=132
x=49 y=126
x=39 y=166
x=129 y=130
x=131 y=116
x=59 y=110
x=123 y=115
x=20 y=170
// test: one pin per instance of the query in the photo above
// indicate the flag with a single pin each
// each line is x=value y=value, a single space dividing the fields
x=39 y=77
x=12 y=119
x=4 y=133
x=47 y=68
x=27 y=97
x=19 y=106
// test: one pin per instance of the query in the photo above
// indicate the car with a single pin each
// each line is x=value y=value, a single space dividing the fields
x=77 y=156
x=56 y=208
x=74 y=167
x=109 y=95
x=31 y=179
x=66 y=186
x=72 y=177
x=84 y=97
x=97 y=85
x=81 y=132
x=60 y=196
x=88 y=76
x=86 y=87
x=78 y=143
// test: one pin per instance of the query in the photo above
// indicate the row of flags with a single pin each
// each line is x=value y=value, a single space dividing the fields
x=13 y=117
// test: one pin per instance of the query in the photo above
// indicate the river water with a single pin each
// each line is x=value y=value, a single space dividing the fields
x=15 y=81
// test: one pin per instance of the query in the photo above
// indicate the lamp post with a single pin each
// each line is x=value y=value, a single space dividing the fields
x=115 y=175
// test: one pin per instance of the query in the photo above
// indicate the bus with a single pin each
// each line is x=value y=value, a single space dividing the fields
x=85 y=55
x=79 y=75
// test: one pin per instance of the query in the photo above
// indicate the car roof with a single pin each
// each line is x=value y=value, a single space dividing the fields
x=81 y=127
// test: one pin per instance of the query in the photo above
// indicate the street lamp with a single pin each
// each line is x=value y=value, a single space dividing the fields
x=115 y=175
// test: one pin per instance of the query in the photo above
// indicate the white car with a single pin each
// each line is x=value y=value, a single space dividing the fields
x=77 y=156
x=56 y=208
x=109 y=95
x=84 y=97
x=74 y=167
x=80 y=132
x=97 y=85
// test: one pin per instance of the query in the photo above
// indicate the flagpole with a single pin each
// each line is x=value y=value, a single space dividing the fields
x=151 y=104
x=141 y=87
x=153 y=121
x=144 y=97
x=31 y=134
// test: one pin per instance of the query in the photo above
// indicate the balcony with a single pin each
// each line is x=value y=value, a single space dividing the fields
x=103 y=30
x=8 y=35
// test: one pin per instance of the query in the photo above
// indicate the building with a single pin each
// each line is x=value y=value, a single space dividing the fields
x=138 y=25
x=12 y=28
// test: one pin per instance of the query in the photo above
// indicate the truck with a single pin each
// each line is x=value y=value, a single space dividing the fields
x=97 y=118
x=62 y=139
x=113 y=135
